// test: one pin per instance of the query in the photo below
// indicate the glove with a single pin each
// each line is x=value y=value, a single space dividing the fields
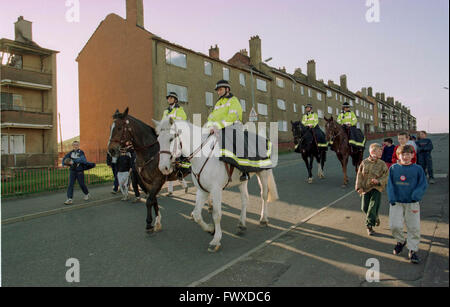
x=392 y=204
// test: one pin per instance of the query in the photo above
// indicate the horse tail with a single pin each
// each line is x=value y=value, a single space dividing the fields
x=272 y=186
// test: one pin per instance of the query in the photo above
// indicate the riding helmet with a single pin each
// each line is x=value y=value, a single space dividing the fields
x=172 y=94
x=222 y=83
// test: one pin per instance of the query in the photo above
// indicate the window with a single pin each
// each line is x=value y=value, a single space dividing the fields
x=371 y=106
x=351 y=102
x=280 y=82
x=243 y=105
x=242 y=79
x=309 y=93
x=357 y=112
x=371 y=117
x=358 y=126
x=226 y=74
x=261 y=85
x=337 y=111
x=180 y=90
x=303 y=109
x=4 y=144
x=262 y=109
x=13 y=60
x=345 y=99
x=302 y=90
x=208 y=68
x=175 y=58
x=319 y=96
x=281 y=104
x=16 y=144
x=282 y=125
x=319 y=113
x=337 y=98
x=330 y=110
x=295 y=107
x=341 y=97
x=209 y=99
x=329 y=93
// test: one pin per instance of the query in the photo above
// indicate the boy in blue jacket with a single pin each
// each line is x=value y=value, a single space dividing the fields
x=407 y=184
x=77 y=162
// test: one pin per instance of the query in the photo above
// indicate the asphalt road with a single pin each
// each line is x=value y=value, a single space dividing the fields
x=113 y=249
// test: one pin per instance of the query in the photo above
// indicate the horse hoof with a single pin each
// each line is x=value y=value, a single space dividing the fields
x=150 y=230
x=241 y=230
x=213 y=248
x=263 y=223
x=158 y=228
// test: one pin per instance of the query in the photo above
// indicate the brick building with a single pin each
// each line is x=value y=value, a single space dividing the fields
x=123 y=65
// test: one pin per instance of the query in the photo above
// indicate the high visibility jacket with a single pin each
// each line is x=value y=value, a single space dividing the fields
x=176 y=112
x=226 y=111
x=310 y=119
x=347 y=118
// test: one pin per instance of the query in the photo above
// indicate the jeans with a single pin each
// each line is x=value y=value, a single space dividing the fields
x=425 y=160
x=116 y=181
x=74 y=176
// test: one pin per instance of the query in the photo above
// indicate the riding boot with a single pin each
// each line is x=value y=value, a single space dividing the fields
x=245 y=176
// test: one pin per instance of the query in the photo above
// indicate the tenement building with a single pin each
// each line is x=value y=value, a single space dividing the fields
x=123 y=65
x=28 y=101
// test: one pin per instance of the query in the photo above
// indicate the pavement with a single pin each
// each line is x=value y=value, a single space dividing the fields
x=317 y=237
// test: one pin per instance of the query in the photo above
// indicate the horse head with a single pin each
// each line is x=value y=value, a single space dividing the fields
x=300 y=133
x=169 y=144
x=120 y=132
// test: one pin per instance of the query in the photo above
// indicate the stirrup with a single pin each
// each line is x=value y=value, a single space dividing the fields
x=244 y=177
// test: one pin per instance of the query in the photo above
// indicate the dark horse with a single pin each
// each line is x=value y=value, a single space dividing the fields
x=145 y=142
x=307 y=146
x=338 y=139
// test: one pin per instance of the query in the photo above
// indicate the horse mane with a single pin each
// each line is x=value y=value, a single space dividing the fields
x=143 y=124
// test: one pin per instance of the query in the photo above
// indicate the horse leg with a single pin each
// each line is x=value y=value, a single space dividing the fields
x=263 y=185
x=320 y=163
x=244 y=201
x=149 y=220
x=306 y=159
x=216 y=194
x=197 y=213
x=344 y=169
x=158 y=226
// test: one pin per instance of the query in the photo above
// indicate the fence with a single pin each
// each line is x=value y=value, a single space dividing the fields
x=28 y=181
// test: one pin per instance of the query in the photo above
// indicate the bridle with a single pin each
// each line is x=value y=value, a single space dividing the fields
x=333 y=136
x=127 y=136
x=173 y=156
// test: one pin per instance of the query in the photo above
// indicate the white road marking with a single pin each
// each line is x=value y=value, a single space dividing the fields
x=266 y=243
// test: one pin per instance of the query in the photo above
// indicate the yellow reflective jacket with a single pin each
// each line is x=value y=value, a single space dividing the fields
x=176 y=113
x=347 y=118
x=310 y=119
x=226 y=111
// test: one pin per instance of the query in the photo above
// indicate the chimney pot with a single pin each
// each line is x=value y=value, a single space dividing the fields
x=311 y=70
x=214 y=52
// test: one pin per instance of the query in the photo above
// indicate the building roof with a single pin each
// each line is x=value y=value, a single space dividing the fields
x=30 y=48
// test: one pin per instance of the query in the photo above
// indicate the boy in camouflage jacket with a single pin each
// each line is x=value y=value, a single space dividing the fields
x=371 y=180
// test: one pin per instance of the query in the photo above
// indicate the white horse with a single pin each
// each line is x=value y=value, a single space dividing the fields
x=209 y=174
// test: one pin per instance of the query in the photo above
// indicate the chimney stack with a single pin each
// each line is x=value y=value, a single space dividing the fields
x=298 y=72
x=243 y=52
x=311 y=70
x=214 y=52
x=135 y=12
x=344 y=82
x=23 y=30
x=382 y=96
x=364 y=91
x=255 y=51
x=369 y=91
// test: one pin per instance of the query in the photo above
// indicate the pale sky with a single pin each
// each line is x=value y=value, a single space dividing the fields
x=404 y=55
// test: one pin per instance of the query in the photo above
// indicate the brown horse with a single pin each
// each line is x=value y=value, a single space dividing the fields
x=125 y=128
x=338 y=138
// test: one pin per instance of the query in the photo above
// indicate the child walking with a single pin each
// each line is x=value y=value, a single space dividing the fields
x=370 y=183
x=388 y=151
x=124 y=169
x=406 y=186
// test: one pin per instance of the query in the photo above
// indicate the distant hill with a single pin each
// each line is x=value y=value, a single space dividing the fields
x=67 y=144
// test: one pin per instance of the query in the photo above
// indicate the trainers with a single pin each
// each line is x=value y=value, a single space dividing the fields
x=68 y=201
x=125 y=198
x=377 y=222
x=169 y=194
x=413 y=257
x=87 y=196
x=186 y=190
x=114 y=192
x=398 y=248
x=136 y=199
x=370 y=230
x=432 y=180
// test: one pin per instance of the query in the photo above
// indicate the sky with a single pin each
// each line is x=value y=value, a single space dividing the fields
x=404 y=53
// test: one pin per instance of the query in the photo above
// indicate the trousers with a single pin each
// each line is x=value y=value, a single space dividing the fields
x=408 y=214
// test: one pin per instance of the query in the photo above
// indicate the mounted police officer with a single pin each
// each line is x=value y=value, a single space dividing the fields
x=311 y=120
x=348 y=120
x=176 y=112
x=227 y=111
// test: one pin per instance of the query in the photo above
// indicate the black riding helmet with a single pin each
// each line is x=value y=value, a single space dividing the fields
x=174 y=95
x=222 y=83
